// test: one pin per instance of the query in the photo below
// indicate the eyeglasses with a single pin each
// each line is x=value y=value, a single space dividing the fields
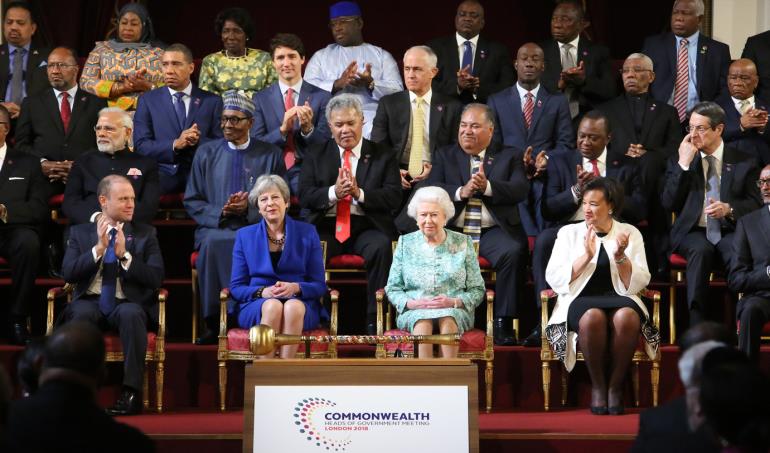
x=60 y=66
x=698 y=129
x=763 y=182
x=234 y=120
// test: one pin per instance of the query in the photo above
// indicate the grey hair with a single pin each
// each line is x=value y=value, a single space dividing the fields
x=431 y=194
x=431 y=56
x=690 y=364
x=265 y=183
x=344 y=101
x=125 y=118
x=489 y=114
x=700 y=7
x=645 y=59
x=711 y=110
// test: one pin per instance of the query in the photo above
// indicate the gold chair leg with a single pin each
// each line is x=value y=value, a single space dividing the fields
x=488 y=381
x=563 y=386
x=145 y=388
x=635 y=381
x=655 y=381
x=222 y=384
x=671 y=312
x=546 y=385
x=159 y=374
x=516 y=329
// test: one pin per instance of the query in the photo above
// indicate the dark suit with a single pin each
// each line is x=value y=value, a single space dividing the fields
x=757 y=49
x=683 y=193
x=600 y=82
x=63 y=416
x=35 y=74
x=664 y=429
x=749 y=140
x=80 y=200
x=504 y=244
x=371 y=234
x=156 y=127
x=748 y=275
x=712 y=63
x=491 y=64
x=24 y=192
x=138 y=283
x=559 y=205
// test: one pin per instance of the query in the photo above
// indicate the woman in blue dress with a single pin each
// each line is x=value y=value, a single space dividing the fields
x=278 y=269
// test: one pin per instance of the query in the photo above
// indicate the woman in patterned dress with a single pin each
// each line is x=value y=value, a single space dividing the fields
x=435 y=276
x=127 y=65
x=236 y=67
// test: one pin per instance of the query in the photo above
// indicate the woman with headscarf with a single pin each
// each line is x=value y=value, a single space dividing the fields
x=127 y=65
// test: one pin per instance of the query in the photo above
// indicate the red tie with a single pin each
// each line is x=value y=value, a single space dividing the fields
x=342 y=228
x=595 y=165
x=289 y=150
x=529 y=107
x=66 y=112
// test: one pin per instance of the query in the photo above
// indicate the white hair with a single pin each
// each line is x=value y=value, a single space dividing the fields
x=431 y=194
x=690 y=364
x=430 y=56
x=700 y=7
x=344 y=101
x=265 y=183
x=645 y=59
x=125 y=117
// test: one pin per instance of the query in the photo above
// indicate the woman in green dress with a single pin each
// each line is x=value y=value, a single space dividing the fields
x=435 y=277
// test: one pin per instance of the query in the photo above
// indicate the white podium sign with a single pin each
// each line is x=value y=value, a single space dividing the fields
x=365 y=419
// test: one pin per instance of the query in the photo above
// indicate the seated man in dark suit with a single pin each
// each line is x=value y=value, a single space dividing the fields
x=528 y=117
x=470 y=66
x=647 y=131
x=486 y=181
x=64 y=415
x=757 y=49
x=689 y=67
x=292 y=122
x=709 y=186
x=350 y=190
x=172 y=121
x=116 y=266
x=750 y=271
x=112 y=157
x=223 y=172
x=415 y=123
x=746 y=114
x=57 y=124
x=564 y=178
x=573 y=64
x=23 y=210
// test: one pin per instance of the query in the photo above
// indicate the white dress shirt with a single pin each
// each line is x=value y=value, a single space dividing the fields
x=426 y=129
x=3 y=151
x=601 y=162
x=71 y=92
x=186 y=98
x=523 y=93
x=461 y=49
x=573 y=51
x=355 y=209
x=486 y=218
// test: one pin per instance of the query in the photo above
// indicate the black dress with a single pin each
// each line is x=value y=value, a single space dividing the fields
x=599 y=293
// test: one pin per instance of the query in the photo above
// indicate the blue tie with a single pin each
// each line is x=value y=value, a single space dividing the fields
x=109 y=276
x=468 y=57
x=181 y=115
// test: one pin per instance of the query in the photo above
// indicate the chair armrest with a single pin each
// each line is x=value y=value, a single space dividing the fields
x=546 y=296
x=380 y=298
x=653 y=295
x=224 y=295
x=334 y=296
x=490 y=298
x=162 y=297
x=53 y=294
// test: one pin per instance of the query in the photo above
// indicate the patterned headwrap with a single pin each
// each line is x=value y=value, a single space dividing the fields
x=237 y=100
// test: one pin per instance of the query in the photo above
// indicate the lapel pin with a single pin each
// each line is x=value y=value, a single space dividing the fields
x=585 y=53
x=34 y=52
x=539 y=103
x=703 y=50
x=483 y=53
x=197 y=101
x=366 y=158
x=83 y=99
x=615 y=163
x=10 y=162
x=440 y=107
x=652 y=107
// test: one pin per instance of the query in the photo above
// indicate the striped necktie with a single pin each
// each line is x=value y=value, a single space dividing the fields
x=682 y=80
x=472 y=222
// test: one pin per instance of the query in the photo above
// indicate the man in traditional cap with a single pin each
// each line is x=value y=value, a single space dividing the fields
x=350 y=65
x=223 y=172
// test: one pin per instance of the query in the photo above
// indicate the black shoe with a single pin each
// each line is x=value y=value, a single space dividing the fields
x=599 y=410
x=209 y=337
x=616 y=410
x=19 y=334
x=129 y=403
x=504 y=334
x=534 y=339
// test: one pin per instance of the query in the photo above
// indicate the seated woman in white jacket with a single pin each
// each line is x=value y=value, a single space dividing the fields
x=597 y=268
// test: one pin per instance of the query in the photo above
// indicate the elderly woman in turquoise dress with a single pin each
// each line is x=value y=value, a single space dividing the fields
x=435 y=276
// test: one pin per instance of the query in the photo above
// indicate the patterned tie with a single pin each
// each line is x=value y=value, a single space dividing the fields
x=181 y=115
x=568 y=62
x=744 y=106
x=17 y=79
x=713 y=229
x=682 y=80
x=529 y=108
x=418 y=131
x=66 y=111
x=342 y=228
x=289 y=151
x=109 y=276
x=595 y=166
x=468 y=57
x=472 y=222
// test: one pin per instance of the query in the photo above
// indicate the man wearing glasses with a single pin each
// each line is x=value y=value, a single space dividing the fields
x=57 y=125
x=112 y=157
x=223 y=172
x=709 y=187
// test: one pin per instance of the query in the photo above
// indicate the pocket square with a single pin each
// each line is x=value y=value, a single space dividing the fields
x=15 y=178
x=43 y=64
x=134 y=172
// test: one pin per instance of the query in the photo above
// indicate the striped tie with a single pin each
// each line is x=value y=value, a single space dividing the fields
x=472 y=222
x=682 y=80
x=529 y=107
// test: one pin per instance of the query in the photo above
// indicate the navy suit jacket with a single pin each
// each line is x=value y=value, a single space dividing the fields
x=751 y=256
x=35 y=74
x=558 y=204
x=712 y=63
x=301 y=261
x=156 y=127
x=750 y=140
x=683 y=191
x=505 y=171
x=268 y=118
x=757 y=49
x=143 y=277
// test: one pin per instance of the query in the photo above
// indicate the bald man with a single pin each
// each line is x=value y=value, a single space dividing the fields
x=746 y=113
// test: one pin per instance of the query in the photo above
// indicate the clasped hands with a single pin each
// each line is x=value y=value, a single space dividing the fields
x=477 y=183
x=281 y=290
x=351 y=77
x=440 y=301
x=103 y=239
x=572 y=76
x=304 y=113
x=133 y=83
x=188 y=137
x=346 y=184
x=408 y=179
x=56 y=170
x=236 y=205
x=754 y=119
x=466 y=81
x=583 y=178
x=535 y=167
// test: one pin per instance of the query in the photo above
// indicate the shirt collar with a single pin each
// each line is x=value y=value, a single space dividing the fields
x=356 y=150
x=187 y=90
x=426 y=97
x=71 y=92
x=574 y=43
x=737 y=101
x=296 y=87
x=692 y=40
x=243 y=146
x=601 y=159
x=3 y=151
x=461 y=40
x=718 y=153
x=522 y=91
x=12 y=48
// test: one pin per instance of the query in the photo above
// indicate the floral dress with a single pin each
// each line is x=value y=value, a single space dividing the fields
x=250 y=73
